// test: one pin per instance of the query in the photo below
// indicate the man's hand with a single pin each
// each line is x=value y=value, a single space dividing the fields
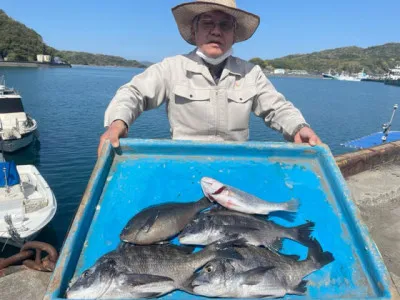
x=116 y=130
x=307 y=135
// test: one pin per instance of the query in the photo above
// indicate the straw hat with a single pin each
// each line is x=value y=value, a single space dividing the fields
x=184 y=14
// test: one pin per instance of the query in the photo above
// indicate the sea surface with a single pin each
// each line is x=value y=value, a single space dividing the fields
x=69 y=106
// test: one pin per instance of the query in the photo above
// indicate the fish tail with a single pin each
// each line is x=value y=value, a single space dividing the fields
x=291 y=205
x=317 y=256
x=300 y=289
x=302 y=233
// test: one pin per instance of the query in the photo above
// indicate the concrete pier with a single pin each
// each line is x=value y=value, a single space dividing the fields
x=15 y=64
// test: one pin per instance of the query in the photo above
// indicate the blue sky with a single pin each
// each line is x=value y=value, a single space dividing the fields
x=146 y=30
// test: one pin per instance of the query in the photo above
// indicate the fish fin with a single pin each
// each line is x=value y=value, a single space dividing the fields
x=300 y=289
x=135 y=279
x=302 y=232
x=317 y=255
x=230 y=253
x=292 y=205
x=150 y=222
x=149 y=295
x=255 y=276
x=225 y=249
x=232 y=240
x=276 y=245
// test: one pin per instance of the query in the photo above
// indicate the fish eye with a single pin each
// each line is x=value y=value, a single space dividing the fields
x=86 y=274
x=208 y=269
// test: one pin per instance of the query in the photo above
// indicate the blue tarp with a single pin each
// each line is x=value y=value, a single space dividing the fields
x=10 y=170
x=372 y=140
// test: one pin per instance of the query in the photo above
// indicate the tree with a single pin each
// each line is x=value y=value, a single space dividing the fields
x=258 y=61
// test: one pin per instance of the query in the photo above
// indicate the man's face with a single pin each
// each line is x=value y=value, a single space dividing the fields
x=214 y=33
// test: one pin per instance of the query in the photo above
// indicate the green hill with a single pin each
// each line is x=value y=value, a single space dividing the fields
x=20 y=43
x=375 y=60
x=84 y=58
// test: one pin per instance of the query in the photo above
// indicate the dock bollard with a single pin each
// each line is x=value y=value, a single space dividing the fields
x=46 y=264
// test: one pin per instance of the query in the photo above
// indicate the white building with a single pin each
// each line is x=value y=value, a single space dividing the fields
x=279 y=71
x=43 y=58
x=298 y=72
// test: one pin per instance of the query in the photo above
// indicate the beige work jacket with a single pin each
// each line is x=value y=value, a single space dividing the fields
x=200 y=109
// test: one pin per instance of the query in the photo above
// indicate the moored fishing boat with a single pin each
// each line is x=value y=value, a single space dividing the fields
x=345 y=76
x=27 y=204
x=17 y=128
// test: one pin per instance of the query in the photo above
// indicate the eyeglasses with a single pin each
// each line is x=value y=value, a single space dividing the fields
x=209 y=24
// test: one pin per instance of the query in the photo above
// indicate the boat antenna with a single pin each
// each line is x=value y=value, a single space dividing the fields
x=386 y=126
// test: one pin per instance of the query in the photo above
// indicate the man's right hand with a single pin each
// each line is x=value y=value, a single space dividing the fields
x=116 y=130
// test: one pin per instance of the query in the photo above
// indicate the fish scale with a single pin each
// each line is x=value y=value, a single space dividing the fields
x=225 y=225
x=165 y=265
x=260 y=273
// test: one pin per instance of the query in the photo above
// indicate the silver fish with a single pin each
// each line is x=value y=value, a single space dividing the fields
x=235 y=199
x=161 y=222
x=225 y=225
x=143 y=271
x=261 y=273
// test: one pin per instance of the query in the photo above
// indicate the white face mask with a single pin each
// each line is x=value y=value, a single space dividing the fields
x=217 y=60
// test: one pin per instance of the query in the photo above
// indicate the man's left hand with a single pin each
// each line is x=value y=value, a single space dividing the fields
x=307 y=135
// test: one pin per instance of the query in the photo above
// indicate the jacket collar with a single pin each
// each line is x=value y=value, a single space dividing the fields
x=197 y=65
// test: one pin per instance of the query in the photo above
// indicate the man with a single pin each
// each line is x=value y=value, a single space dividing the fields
x=209 y=93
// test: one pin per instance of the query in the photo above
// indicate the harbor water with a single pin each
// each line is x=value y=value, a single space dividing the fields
x=69 y=106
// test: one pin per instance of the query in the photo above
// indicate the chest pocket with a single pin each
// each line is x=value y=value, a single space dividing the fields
x=184 y=94
x=239 y=107
x=190 y=111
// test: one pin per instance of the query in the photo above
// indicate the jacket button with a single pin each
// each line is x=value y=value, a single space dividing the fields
x=241 y=98
x=190 y=95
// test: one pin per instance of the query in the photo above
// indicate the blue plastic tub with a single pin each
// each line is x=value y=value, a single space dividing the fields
x=149 y=172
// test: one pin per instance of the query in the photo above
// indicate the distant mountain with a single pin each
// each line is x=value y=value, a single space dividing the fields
x=84 y=58
x=146 y=63
x=374 y=60
x=20 y=43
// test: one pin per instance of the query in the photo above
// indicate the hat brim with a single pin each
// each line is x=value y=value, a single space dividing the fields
x=184 y=14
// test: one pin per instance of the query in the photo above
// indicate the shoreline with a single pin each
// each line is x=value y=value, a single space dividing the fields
x=16 y=64
x=311 y=76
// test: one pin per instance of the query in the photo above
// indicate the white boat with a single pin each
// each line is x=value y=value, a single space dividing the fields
x=27 y=204
x=346 y=77
x=394 y=74
x=17 y=128
x=393 y=77
x=329 y=75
